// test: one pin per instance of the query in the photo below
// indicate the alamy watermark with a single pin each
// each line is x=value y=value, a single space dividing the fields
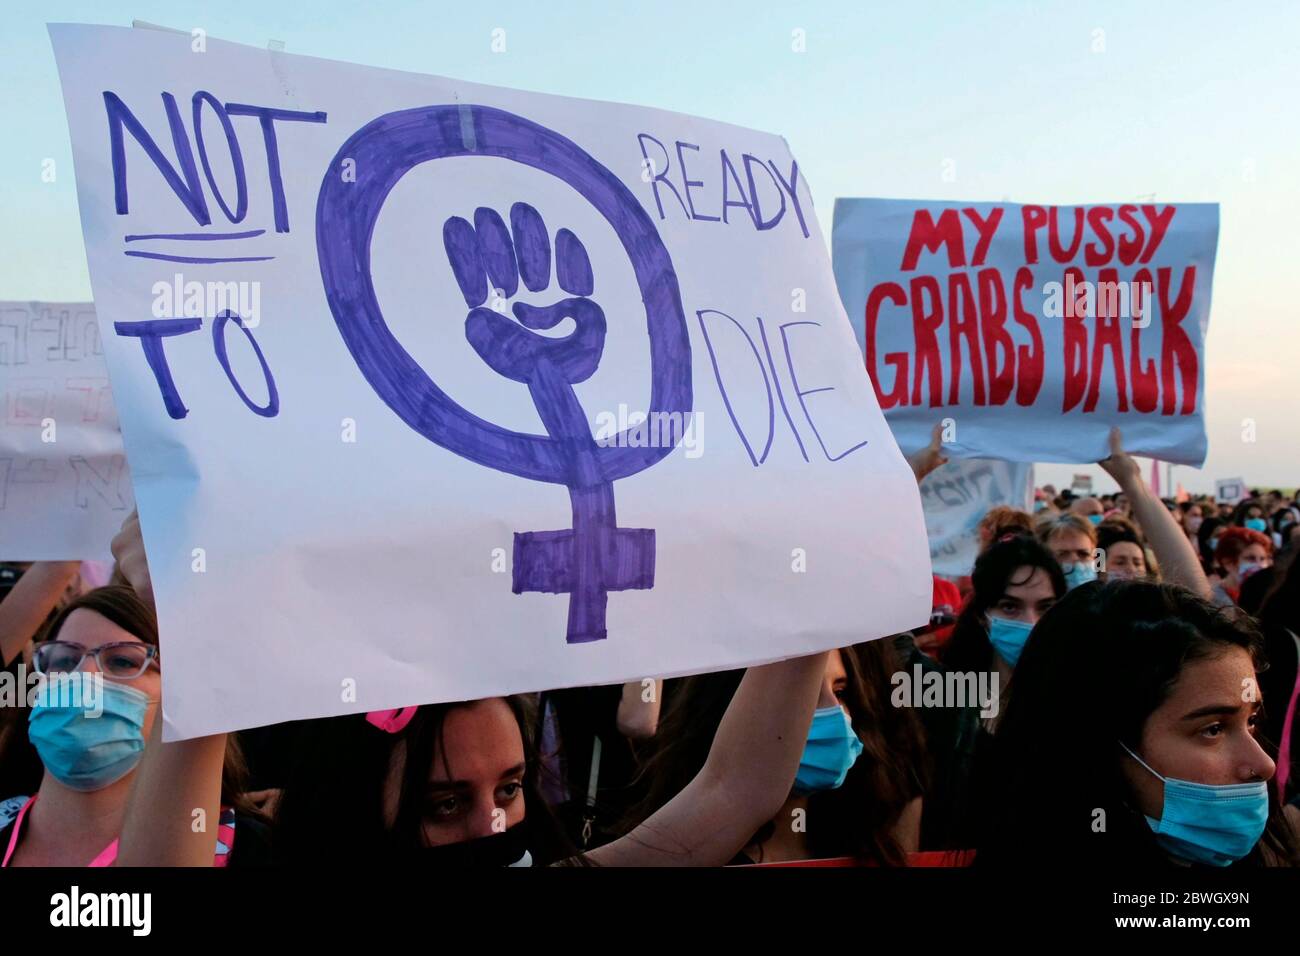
x=932 y=688
x=180 y=299
x=631 y=429
x=80 y=690
x=1086 y=300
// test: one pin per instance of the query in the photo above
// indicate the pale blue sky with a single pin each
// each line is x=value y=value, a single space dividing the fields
x=1192 y=101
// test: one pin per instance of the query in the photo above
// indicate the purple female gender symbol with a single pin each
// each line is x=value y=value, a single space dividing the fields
x=595 y=556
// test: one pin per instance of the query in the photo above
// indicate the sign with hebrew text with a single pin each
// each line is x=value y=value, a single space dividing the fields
x=64 y=484
x=958 y=495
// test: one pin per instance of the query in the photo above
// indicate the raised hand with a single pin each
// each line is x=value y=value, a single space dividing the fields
x=128 y=549
x=1120 y=465
x=930 y=457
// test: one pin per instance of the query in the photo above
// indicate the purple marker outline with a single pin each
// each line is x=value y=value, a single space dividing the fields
x=198 y=236
x=717 y=373
x=596 y=556
x=800 y=393
x=780 y=392
x=201 y=260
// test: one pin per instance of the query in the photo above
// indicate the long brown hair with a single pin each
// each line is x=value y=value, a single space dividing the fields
x=858 y=818
x=120 y=605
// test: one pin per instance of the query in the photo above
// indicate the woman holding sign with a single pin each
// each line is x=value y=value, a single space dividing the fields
x=430 y=780
x=96 y=705
x=857 y=792
x=1074 y=540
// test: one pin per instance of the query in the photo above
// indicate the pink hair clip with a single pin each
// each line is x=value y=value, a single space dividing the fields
x=391 y=721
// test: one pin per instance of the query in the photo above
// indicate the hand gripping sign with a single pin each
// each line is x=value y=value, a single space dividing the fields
x=595 y=556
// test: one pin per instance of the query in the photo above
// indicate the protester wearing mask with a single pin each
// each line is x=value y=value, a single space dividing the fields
x=426 y=779
x=104 y=645
x=1090 y=509
x=1239 y=553
x=1014 y=582
x=1207 y=540
x=30 y=596
x=1163 y=748
x=1251 y=514
x=1285 y=522
x=1072 y=540
x=858 y=789
x=1191 y=516
x=1125 y=553
x=451 y=785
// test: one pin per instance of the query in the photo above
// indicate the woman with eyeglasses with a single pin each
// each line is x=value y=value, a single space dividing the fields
x=30 y=598
x=91 y=710
x=450 y=783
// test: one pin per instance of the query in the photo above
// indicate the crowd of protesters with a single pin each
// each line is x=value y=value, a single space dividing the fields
x=1144 y=653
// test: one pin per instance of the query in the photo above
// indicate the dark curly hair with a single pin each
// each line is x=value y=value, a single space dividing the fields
x=997 y=568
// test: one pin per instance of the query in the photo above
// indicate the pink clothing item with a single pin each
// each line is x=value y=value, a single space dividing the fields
x=391 y=721
x=106 y=856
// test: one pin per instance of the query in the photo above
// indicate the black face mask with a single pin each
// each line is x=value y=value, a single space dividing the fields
x=508 y=848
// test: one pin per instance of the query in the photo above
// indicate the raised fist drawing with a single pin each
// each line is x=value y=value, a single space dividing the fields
x=488 y=260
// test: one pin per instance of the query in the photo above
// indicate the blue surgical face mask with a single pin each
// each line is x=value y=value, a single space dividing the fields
x=1256 y=524
x=82 y=749
x=832 y=749
x=1204 y=823
x=1080 y=573
x=1095 y=519
x=1008 y=638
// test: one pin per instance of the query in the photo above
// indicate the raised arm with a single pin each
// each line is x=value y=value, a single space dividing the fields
x=930 y=457
x=638 y=712
x=745 y=780
x=128 y=549
x=171 y=818
x=1178 y=561
x=30 y=602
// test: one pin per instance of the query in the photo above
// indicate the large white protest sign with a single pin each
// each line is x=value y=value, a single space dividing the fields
x=423 y=471
x=957 y=495
x=64 y=487
x=1033 y=328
